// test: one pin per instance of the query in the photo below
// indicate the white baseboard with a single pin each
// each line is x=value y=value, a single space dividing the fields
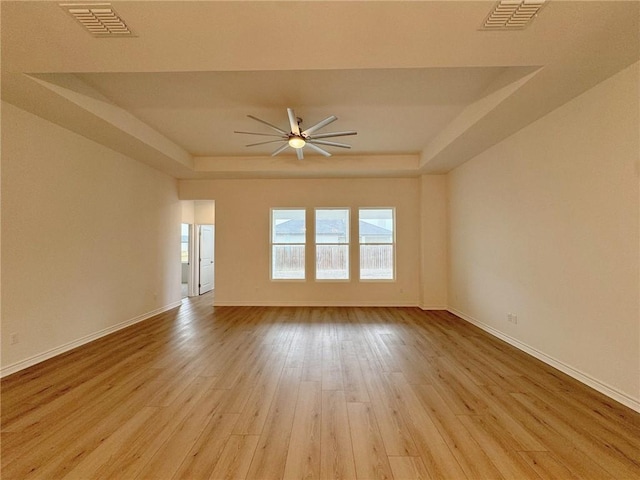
x=601 y=387
x=41 y=357
x=306 y=303
x=433 y=307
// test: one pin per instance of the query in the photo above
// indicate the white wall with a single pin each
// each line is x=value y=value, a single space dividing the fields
x=433 y=242
x=204 y=212
x=546 y=225
x=242 y=238
x=188 y=211
x=90 y=239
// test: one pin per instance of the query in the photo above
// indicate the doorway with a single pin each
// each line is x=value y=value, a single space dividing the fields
x=197 y=247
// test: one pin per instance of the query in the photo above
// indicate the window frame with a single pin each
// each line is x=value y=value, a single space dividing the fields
x=346 y=244
x=393 y=243
x=272 y=244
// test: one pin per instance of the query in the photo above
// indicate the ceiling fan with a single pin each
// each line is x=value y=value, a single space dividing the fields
x=298 y=138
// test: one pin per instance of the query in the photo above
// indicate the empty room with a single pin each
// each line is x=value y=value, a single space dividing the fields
x=320 y=239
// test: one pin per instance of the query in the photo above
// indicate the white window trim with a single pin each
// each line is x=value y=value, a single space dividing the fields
x=272 y=243
x=348 y=246
x=393 y=244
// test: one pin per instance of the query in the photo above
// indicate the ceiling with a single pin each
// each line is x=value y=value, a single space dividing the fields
x=423 y=85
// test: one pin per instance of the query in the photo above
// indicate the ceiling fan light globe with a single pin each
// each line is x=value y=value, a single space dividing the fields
x=297 y=142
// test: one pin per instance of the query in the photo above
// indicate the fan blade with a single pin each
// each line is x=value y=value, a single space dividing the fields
x=299 y=153
x=332 y=144
x=279 y=130
x=263 y=143
x=318 y=149
x=333 y=134
x=319 y=125
x=293 y=121
x=280 y=149
x=263 y=134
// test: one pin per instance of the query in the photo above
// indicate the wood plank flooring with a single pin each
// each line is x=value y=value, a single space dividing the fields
x=314 y=393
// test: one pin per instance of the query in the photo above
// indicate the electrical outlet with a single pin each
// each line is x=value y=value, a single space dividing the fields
x=514 y=318
x=14 y=338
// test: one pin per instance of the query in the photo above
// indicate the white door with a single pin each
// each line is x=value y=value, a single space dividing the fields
x=206 y=258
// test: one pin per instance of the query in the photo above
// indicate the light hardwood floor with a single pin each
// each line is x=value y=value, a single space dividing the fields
x=270 y=393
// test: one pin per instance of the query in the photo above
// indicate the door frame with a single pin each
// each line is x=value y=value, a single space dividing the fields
x=199 y=236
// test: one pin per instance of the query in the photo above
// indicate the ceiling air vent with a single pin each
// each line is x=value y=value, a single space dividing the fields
x=512 y=14
x=99 y=19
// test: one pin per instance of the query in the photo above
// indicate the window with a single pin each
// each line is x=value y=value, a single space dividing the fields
x=332 y=244
x=288 y=238
x=377 y=243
